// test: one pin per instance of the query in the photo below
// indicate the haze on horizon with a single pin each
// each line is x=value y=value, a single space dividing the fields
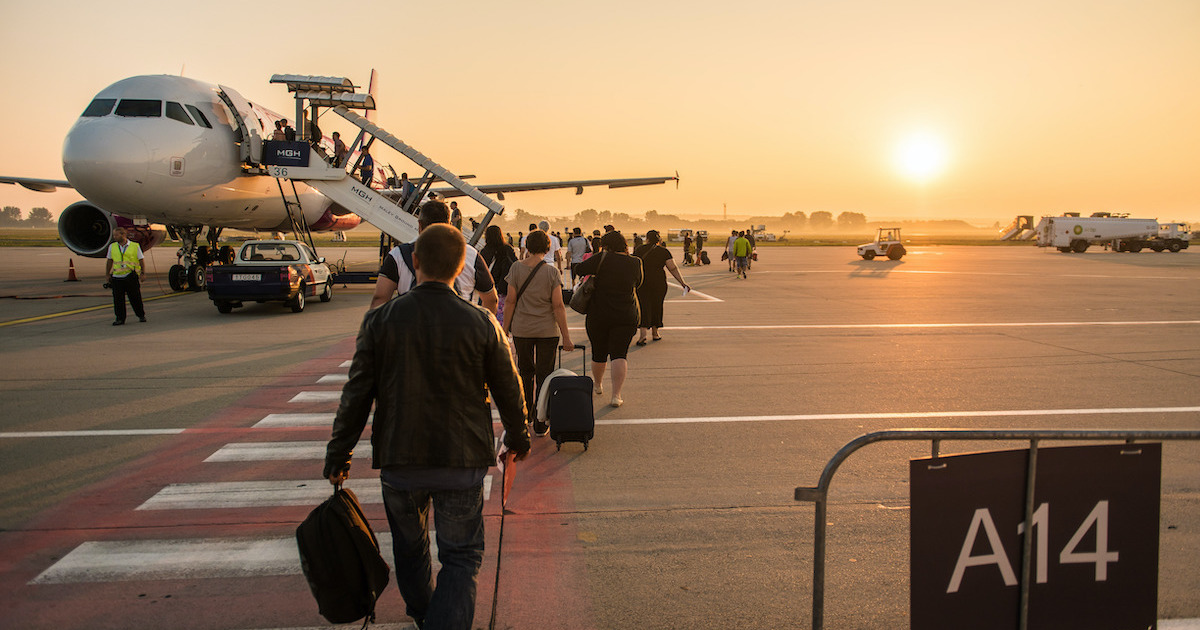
x=768 y=107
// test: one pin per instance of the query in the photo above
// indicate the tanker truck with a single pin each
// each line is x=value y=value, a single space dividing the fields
x=1124 y=234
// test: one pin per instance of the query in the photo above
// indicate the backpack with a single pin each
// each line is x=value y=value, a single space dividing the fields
x=340 y=558
x=502 y=260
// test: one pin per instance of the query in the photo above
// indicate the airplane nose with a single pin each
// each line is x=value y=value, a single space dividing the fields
x=100 y=159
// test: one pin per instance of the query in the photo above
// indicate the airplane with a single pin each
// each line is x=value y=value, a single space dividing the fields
x=163 y=150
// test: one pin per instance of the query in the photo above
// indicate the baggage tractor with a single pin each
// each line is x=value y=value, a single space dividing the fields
x=569 y=406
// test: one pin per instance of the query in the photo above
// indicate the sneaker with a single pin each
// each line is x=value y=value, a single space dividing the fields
x=616 y=401
x=142 y=319
x=540 y=428
x=118 y=323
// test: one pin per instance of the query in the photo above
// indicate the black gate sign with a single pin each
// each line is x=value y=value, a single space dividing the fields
x=1095 y=538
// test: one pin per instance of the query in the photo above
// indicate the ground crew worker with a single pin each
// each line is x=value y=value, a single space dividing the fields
x=124 y=269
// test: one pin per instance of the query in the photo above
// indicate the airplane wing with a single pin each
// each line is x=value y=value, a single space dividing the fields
x=40 y=185
x=578 y=185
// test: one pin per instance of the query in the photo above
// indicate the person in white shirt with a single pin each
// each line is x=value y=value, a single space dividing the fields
x=576 y=248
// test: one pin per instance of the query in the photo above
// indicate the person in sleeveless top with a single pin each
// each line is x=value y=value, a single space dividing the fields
x=612 y=317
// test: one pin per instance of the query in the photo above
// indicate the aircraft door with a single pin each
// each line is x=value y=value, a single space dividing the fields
x=243 y=116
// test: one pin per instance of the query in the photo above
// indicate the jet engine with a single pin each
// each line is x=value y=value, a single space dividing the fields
x=333 y=221
x=87 y=230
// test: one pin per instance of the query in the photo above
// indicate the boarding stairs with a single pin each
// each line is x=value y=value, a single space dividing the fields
x=334 y=181
x=295 y=213
x=1021 y=229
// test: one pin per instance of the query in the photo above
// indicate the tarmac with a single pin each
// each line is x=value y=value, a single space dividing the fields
x=153 y=474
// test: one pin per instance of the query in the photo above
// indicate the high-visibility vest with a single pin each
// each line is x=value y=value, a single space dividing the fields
x=124 y=263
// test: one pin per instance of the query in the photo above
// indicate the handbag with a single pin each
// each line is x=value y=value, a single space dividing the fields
x=582 y=298
x=724 y=256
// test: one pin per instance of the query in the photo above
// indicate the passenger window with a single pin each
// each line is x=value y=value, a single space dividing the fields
x=139 y=108
x=99 y=107
x=199 y=116
x=175 y=111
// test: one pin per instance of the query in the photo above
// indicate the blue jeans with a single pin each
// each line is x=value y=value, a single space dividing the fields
x=458 y=520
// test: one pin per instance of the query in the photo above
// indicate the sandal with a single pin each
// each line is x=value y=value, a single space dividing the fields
x=657 y=338
x=641 y=342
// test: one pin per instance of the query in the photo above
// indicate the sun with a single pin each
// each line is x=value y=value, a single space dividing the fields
x=921 y=156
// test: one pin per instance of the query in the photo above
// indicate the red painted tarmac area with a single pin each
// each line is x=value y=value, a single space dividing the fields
x=543 y=581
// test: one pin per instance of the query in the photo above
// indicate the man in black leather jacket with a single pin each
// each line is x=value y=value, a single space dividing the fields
x=424 y=360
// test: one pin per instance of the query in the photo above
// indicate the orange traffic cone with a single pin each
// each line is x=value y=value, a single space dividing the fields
x=71 y=273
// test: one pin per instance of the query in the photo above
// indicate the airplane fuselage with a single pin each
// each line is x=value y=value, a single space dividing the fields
x=165 y=149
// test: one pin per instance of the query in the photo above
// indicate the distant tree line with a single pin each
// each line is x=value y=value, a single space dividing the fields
x=817 y=222
x=38 y=217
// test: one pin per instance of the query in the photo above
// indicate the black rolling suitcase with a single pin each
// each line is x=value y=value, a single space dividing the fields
x=569 y=406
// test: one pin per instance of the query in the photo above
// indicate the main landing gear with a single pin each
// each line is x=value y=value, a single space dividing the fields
x=189 y=272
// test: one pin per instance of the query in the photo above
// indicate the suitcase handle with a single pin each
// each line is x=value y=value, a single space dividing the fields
x=578 y=346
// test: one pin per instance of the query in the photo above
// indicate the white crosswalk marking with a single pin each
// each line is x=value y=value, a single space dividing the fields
x=125 y=560
x=333 y=378
x=317 y=396
x=256 y=494
x=346 y=363
x=252 y=494
x=275 y=451
x=286 y=420
x=281 y=420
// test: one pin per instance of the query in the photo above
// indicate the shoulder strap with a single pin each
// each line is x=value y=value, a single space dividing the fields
x=406 y=252
x=513 y=313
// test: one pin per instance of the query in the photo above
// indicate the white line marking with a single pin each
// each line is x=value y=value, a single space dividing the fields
x=315 y=450
x=252 y=494
x=245 y=494
x=125 y=560
x=333 y=378
x=704 y=296
x=907 y=415
x=278 y=451
x=1179 y=624
x=374 y=626
x=317 y=396
x=281 y=420
x=885 y=271
x=96 y=433
x=1180 y=322
x=346 y=363
x=168 y=559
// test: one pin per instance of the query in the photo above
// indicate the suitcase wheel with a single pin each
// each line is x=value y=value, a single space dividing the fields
x=558 y=445
x=585 y=445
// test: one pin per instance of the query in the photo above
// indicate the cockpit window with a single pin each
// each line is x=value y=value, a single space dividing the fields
x=175 y=111
x=100 y=107
x=199 y=116
x=139 y=108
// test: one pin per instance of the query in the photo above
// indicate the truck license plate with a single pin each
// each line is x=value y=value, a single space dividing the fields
x=247 y=277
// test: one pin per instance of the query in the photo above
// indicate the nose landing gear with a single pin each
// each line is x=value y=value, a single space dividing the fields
x=189 y=272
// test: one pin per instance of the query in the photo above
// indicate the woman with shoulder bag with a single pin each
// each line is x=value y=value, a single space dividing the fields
x=536 y=316
x=612 y=314
x=499 y=256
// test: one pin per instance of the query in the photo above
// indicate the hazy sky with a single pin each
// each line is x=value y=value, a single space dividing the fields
x=1040 y=106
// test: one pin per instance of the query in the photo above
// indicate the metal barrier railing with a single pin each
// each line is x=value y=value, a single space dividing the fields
x=819 y=495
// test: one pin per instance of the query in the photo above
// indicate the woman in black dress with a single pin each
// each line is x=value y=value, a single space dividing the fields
x=652 y=293
x=612 y=316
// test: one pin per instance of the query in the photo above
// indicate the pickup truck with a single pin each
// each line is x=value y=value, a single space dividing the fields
x=270 y=271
